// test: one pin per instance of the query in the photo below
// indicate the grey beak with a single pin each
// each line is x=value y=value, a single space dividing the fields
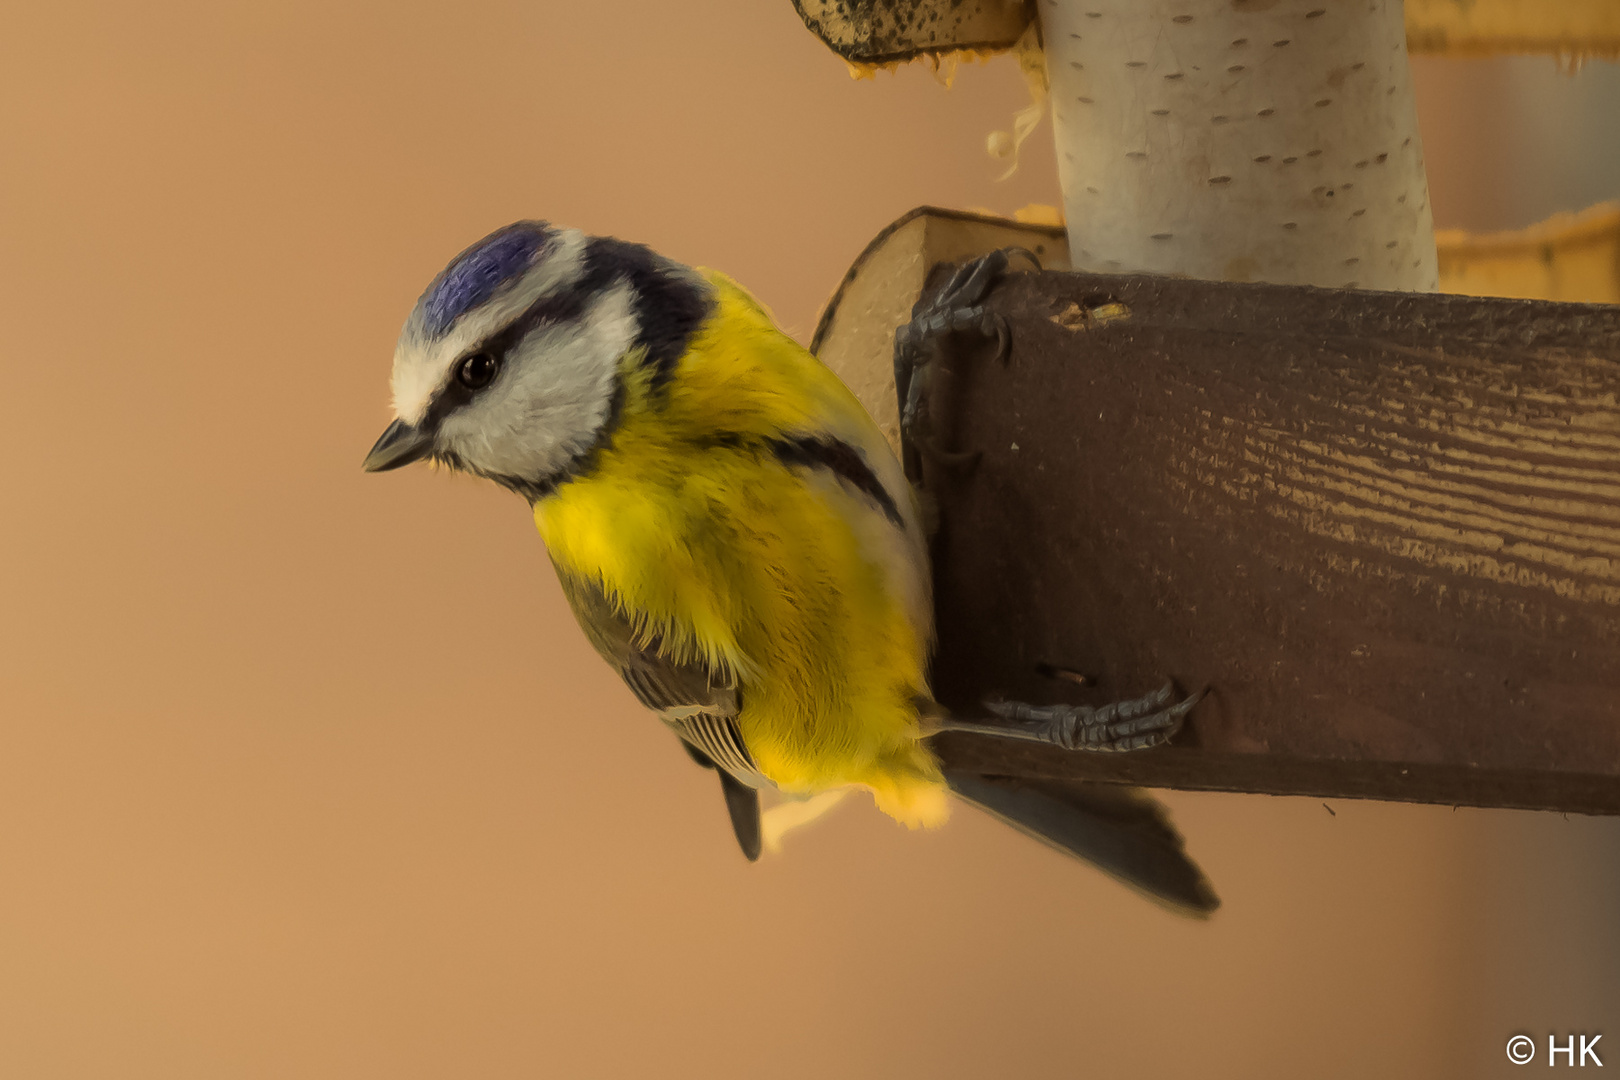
x=400 y=445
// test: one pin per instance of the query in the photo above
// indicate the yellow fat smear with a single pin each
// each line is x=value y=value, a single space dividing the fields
x=1001 y=145
x=943 y=63
x=1004 y=145
x=720 y=553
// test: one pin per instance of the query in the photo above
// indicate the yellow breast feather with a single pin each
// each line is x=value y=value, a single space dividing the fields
x=723 y=552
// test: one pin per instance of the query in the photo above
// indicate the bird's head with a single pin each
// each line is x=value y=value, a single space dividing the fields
x=508 y=365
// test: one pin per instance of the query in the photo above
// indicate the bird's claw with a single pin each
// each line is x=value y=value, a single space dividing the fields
x=1135 y=724
x=955 y=311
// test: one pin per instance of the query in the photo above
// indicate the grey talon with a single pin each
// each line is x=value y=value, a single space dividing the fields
x=955 y=310
x=1133 y=724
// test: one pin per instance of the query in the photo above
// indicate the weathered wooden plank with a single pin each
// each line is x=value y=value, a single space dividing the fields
x=1567 y=257
x=1383 y=528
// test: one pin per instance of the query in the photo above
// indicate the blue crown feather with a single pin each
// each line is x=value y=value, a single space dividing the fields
x=475 y=275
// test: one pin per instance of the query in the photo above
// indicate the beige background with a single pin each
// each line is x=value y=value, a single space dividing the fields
x=307 y=773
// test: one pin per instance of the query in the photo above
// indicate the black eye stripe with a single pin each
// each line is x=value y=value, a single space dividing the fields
x=668 y=304
x=497 y=346
x=668 y=308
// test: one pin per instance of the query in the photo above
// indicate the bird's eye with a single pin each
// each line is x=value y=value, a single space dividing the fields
x=477 y=371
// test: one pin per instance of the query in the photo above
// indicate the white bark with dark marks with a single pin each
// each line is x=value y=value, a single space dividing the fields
x=1240 y=140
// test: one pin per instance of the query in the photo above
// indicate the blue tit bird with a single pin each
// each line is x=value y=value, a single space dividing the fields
x=734 y=535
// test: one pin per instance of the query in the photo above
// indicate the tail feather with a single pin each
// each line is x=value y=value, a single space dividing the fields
x=1122 y=831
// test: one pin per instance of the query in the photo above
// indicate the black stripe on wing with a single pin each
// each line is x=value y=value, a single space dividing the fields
x=843 y=461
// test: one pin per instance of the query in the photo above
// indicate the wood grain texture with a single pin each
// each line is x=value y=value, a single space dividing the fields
x=1383 y=528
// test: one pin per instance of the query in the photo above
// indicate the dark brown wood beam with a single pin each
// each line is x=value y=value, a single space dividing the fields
x=1383 y=529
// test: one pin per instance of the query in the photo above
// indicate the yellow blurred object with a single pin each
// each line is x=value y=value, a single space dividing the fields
x=1567 y=257
x=1039 y=214
x=1574 y=29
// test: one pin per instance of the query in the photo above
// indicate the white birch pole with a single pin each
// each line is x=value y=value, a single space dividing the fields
x=1240 y=140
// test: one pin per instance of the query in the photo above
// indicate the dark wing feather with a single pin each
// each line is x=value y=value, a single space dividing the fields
x=1122 y=831
x=698 y=702
x=742 y=803
x=658 y=682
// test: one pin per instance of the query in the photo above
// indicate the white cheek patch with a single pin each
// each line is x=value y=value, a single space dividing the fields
x=553 y=396
x=422 y=367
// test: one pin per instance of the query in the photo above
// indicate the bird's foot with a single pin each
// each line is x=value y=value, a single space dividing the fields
x=1136 y=724
x=955 y=312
